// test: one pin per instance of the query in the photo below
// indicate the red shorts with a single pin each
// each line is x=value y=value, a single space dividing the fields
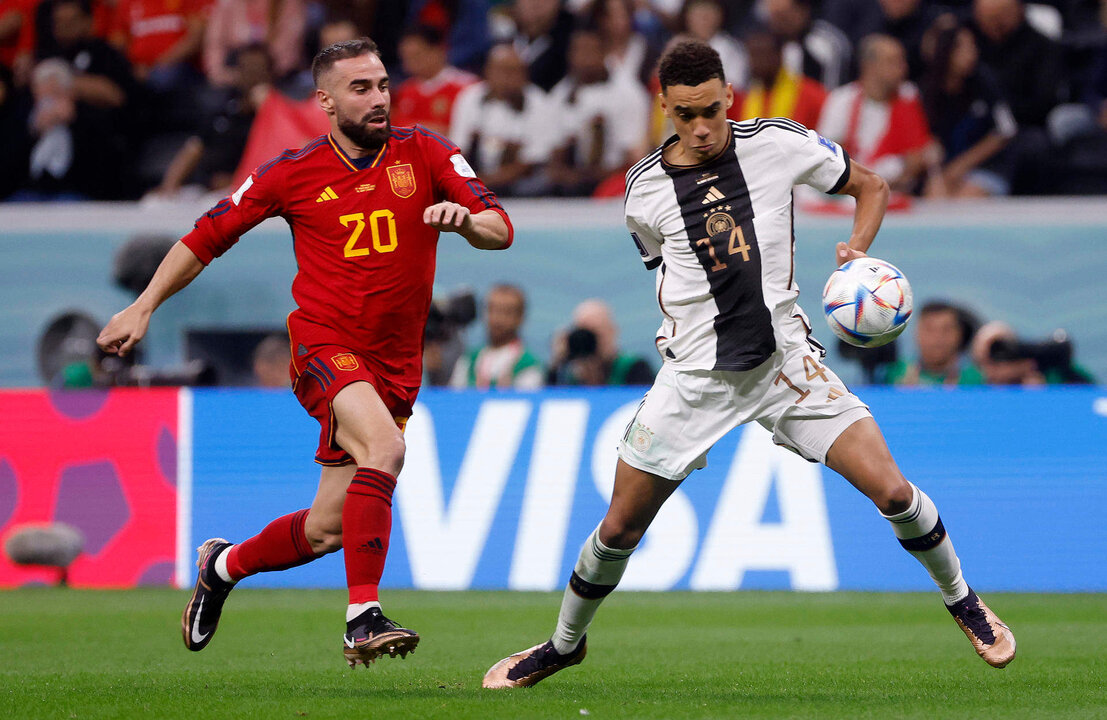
x=319 y=372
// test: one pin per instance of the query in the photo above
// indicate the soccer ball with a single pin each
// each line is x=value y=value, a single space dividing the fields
x=867 y=302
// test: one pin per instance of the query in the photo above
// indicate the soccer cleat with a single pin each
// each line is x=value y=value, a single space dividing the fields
x=991 y=639
x=201 y=615
x=371 y=635
x=526 y=668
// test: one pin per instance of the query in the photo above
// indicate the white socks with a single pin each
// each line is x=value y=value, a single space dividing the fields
x=598 y=570
x=355 y=609
x=921 y=533
x=221 y=565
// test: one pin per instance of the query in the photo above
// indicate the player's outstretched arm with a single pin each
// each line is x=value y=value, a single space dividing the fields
x=485 y=230
x=871 y=192
x=128 y=326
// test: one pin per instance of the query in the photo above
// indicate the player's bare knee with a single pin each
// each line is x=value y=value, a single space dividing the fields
x=323 y=540
x=388 y=453
x=615 y=533
x=383 y=453
x=895 y=497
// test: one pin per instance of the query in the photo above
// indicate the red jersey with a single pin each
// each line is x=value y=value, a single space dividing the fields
x=430 y=102
x=153 y=27
x=365 y=258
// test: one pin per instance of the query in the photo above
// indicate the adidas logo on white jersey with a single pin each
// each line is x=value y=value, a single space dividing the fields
x=713 y=195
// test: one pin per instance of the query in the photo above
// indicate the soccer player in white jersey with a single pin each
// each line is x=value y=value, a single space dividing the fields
x=711 y=209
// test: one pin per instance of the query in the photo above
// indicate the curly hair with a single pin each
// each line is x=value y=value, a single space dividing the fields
x=689 y=62
x=328 y=56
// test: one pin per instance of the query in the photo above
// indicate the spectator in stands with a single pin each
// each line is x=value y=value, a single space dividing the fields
x=1027 y=65
x=1005 y=360
x=812 y=47
x=101 y=14
x=279 y=24
x=705 y=20
x=161 y=39
x=542 y=29
x=463 y=23
x=904 y=20
x=504 y=362
x=774 y=90
x=52 y=170
x=270 y=361
x=943 y=333
x=968 y=116
x=82 y=119
x=210 y=157
x=17 y=38
x=502 y=126
x=601 y=120
x=588 y=353
x=879 y=118
x=627 y=52
x=103 y=77
x=15 y=143
x=427 y=96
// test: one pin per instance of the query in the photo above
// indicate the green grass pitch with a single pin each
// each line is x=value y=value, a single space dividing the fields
x=118 y=654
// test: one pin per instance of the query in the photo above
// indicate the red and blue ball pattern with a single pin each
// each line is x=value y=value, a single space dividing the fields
x=867 y=302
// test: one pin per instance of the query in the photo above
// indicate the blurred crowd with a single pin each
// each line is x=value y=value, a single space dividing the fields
x=953 y=348
x=121 y=99
x=478 y=343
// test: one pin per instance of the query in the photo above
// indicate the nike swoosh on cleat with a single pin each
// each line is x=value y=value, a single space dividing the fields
x=349 y=641
x=197 y=637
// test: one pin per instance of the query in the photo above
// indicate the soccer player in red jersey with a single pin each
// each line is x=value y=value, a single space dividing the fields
x=366 y=204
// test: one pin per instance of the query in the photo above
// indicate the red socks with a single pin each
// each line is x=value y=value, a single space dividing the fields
x=366 y=527
x=282 y=544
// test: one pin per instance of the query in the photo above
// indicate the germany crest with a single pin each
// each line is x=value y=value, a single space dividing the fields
x=402 y=179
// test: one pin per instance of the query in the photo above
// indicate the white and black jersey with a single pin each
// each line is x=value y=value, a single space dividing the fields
x=721 y=237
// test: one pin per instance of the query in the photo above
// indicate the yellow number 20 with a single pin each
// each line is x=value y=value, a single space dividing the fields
x=352 y=250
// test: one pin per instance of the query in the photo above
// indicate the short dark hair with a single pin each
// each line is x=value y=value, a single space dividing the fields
x=429 y=34
x=689 y=62
x=513 y=290
x=967 y=323
x=328 y=56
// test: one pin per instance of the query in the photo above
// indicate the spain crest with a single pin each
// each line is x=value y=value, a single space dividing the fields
x=345 y=361
x=402 y=179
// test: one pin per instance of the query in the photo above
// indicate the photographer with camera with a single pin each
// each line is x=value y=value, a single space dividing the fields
x=504 y=362
x=1007 y=360
x=588 y=353
x=442 y=343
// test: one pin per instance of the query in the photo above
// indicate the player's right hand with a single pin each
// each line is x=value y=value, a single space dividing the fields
x=123 y=332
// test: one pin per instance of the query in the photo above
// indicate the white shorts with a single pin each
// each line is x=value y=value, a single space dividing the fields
x=792 y=395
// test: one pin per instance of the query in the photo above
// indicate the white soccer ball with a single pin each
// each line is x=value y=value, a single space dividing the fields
x=867 y=302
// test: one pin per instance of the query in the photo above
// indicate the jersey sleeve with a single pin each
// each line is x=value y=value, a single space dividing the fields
x=455 y=180
x=811 y=158
x=645 y=238
x=220 y=228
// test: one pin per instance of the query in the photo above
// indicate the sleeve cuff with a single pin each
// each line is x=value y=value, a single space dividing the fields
x=194 y=241
x=510 y=227
x=845 y=175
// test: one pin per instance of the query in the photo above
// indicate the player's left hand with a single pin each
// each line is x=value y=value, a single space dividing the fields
x=447 y=217
x=845 y=253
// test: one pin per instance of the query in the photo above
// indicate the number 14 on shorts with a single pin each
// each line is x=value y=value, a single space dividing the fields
x=814 y=371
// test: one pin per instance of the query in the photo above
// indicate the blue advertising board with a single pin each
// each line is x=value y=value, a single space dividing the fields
x=499 y=491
